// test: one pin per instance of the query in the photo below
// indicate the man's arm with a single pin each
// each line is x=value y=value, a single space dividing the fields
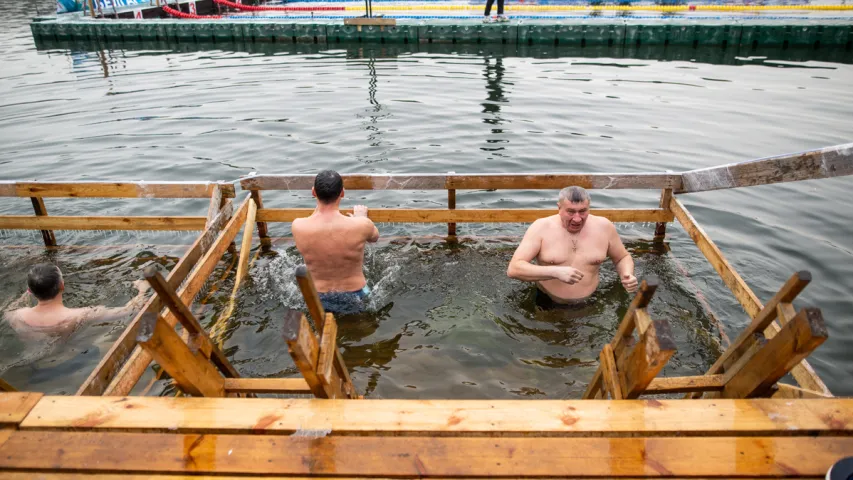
x=622 y=260
x=372 y=231
x=521 y=268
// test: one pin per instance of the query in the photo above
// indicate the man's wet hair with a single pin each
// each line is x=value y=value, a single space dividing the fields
x=574 y=195
x=44 y=281
x=328 y=186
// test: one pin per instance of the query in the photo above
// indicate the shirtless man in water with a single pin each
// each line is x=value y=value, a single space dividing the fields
x=332 y=245
x=569 y=248
x=50 y=316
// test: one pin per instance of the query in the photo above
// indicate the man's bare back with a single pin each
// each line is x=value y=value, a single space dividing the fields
x=332 y=245
x=568 y=249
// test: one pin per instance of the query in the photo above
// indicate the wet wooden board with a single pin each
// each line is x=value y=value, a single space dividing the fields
x=544 y=418
x=699 y=383
x=823 y=163
x=36 y=222
x=522 y=181
x=267 y=385
x=15 y=406
x=9 y=475
x=113 y=189
x=403 y=215
x=420 y=456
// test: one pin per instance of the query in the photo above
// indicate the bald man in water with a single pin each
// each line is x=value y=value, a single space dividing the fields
x=50 y=316
x=568 y=249
x=332 y=245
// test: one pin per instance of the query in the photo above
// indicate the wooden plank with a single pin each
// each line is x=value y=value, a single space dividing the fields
x=785 y=312
x=699 y=383
x=311 y=297
x=246 y=244
x=789 y=391
x=41 y=211
x=544 y=418
x=476 y=181
x=114 y=189
x=451 y=205
x=139 y=360
x=608 y=372
x=213 y=207
x=796 y=340
x=183 y=314
x=267 y=385
x=5 y=387
x=648 y=358
x=302 y=346
x=435 y=215
x=33 y=222
x=15 y=406
x=341 y=367
x=803 y=373
x=326 y=359
x=822 y=163
x=660 y=227
x=193 y=373
x=263 y=233
x=123 y=350
x=421 y=457
x=641 y=300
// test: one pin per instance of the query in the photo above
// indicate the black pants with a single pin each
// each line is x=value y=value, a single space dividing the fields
x=489 y=7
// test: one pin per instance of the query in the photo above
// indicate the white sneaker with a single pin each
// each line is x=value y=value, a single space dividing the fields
x=487 y=19
x=502 y=18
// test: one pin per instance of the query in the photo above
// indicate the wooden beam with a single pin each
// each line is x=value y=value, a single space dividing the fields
x=803 y=373
x=193 y=373
x=822 y=163
x=699 y=383
x=451 y=205
x=660 y=227
x=139 y=360
x=28 y=222
x=421 y=457
x=15 y=406
x=311 y=297
x=796 y=340
x=213 y=207
x=646 y=358
x=435 y=215
x=246 y=244
x=182 y=313
x=477 y=181
x=782 y=390
x=41 y=211
x=113 y=189
x=5 y=387
x=499 y=418
x=263 y=233
x=267 y=385
x=608 y=372
x=326 y=371
x=302 y=345
x=125 y=348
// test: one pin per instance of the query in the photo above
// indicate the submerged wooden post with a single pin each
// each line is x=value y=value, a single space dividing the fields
x=246 y=244
x=41 y=211
x=198 y=338
x=193 y=373
x=5 y=387
x=262 y=226
x=451 y=205
x=312 y=298
x=660 y=227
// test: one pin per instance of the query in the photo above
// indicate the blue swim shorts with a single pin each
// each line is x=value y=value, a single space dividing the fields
x=344 y=303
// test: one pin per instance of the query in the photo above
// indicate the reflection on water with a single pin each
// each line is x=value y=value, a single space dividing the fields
x=446 y=322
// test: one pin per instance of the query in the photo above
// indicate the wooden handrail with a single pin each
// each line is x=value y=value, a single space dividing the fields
x=114 y=189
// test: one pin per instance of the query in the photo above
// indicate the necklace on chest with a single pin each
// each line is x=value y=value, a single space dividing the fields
x=574 y=240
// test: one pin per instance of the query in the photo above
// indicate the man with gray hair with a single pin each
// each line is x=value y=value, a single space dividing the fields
x=568 y=249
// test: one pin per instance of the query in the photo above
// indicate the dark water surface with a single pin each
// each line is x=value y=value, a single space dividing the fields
x=447 y=321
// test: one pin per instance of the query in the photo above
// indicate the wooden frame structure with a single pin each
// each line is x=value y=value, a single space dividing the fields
x=799 y=432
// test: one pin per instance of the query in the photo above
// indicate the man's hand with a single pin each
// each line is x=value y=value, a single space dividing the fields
x=359 y=211
x=630 y=283
x=142 y=286
x=570 y=275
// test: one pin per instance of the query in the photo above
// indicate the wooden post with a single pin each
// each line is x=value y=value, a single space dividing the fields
x=608 y=372
x=41 y=211
x=645 y=359
x=312 y=298
x=192 y=372
x=794 y=342
x=246 y=244
x=303 y=348
x=198 y=336
x=215 y=205
x=451 y=205
x=660 y=227
x=262 y=226
x=5 y=387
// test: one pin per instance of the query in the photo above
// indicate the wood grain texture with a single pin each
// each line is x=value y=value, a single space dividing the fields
x=14 y=406
x=114 y=189
x=35 y=222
